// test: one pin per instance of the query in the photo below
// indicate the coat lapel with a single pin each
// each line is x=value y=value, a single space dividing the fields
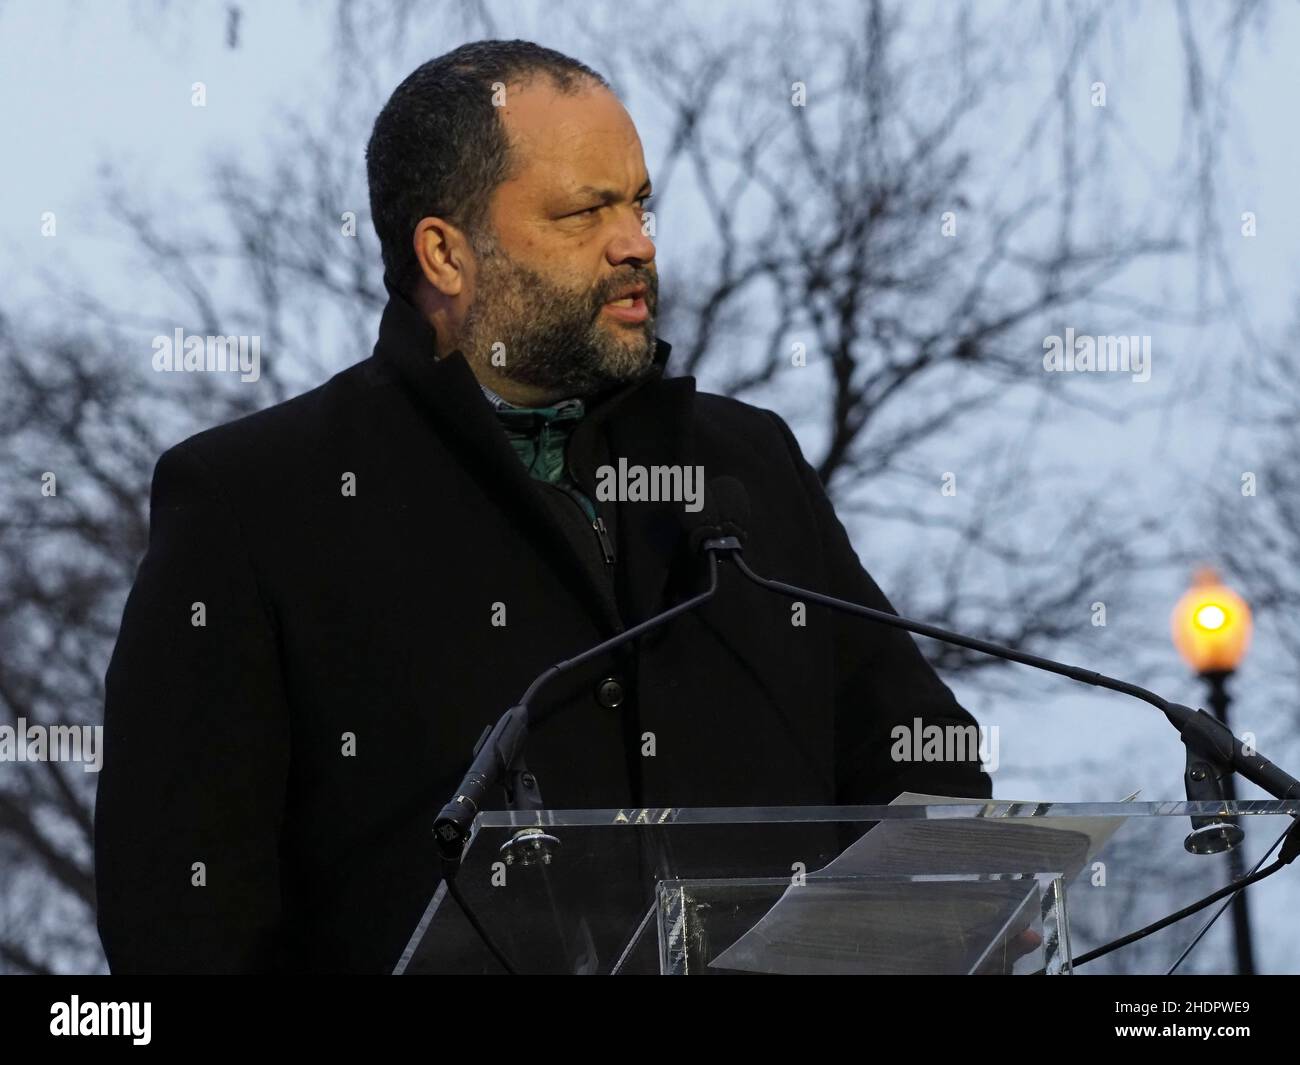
x=647 y=426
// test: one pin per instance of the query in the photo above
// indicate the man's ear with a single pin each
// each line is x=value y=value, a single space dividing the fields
x=443 y=254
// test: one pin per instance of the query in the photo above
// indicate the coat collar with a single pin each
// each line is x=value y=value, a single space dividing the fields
x=647 y=422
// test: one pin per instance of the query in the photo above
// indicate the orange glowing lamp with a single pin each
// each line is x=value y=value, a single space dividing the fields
x=1211 y=625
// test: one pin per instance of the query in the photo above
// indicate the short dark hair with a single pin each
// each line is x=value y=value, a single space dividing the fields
x=439 y=148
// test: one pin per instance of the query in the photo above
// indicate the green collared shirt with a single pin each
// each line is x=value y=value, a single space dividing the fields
x=540 y=436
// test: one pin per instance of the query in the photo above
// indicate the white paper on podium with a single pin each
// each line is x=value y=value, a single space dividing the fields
x=841 y=928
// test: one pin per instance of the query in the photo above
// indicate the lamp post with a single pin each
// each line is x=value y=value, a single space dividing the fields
x=1211 y=630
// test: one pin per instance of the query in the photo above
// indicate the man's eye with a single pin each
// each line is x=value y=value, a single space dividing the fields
x=643 y=203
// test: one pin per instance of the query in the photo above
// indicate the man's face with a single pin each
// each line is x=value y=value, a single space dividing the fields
x=566 y=241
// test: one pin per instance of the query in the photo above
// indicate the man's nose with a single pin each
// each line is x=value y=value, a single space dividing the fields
x=630 y=242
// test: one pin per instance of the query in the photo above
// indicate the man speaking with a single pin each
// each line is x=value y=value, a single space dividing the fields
x=342 y=591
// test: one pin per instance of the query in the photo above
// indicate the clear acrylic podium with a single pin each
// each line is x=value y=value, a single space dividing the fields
x=964 y=887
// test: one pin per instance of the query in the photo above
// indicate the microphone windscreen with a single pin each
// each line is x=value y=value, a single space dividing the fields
x=703 y=524
x=728 y=502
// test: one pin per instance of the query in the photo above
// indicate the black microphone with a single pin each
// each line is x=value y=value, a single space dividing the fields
x=725 y=513
x=731 y=505
x=1212 y=749
x=498 y=755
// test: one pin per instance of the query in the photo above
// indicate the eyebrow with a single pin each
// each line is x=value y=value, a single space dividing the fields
x=607 y=195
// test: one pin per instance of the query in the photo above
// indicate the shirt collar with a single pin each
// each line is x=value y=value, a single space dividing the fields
x=496 y=401
x=499 y=404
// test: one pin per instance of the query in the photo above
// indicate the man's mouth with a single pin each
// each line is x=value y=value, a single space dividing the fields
x=630 y=306
x=629 y=309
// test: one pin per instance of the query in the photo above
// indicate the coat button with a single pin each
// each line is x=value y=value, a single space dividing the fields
x=609 y=693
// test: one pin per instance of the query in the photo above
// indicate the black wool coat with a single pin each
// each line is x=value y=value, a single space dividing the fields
x=272 y=775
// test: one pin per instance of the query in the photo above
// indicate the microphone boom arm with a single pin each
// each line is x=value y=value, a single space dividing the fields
x=1211 y=746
